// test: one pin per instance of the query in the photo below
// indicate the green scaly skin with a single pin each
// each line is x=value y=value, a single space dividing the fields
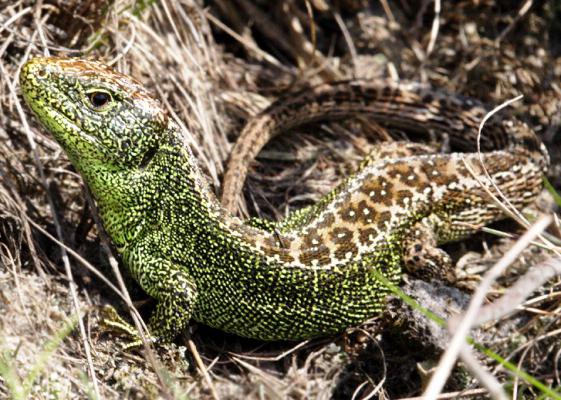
x=318 y=275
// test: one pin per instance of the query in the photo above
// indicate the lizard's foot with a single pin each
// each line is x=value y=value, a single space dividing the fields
x=423 y=259
x=163 y=327
x=427 y=262
x=114 y=322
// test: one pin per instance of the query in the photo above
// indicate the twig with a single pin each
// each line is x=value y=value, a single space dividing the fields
x=14 y=18
x=348 y=40
x=481 y=374
x=127 y=47
x=202 y=368
x=76 y=256
x=511 y=210
x=461 y=327
x=388 y=10
x=304 y=51
x=274 y=359
x=380 y=384
x=250 y=46
x=453 y=395
x=313 y=28
x=434 y=29
x=521 y=13
x=524 y=286
x=58 y=229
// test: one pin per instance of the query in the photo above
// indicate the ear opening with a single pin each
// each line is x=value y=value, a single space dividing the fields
x=148 y=156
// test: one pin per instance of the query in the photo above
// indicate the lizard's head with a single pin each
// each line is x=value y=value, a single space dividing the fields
x=99 y=116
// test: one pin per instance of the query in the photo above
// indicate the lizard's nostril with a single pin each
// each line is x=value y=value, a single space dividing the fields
x=34 y=68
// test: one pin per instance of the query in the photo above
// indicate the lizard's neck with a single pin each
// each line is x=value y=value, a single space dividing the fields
x=168 y=190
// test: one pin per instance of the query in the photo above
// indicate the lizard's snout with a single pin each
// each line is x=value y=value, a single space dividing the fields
x=34 y=68
x=34 y=77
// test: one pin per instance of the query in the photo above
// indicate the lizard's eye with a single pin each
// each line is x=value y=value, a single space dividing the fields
x=99 y=100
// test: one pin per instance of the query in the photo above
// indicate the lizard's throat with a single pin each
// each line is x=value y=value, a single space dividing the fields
x=168 y=191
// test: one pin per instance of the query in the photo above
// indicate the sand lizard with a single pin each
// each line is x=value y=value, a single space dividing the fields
x=318 y=274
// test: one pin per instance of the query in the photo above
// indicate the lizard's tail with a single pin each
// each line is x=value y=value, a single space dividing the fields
x=405 y=106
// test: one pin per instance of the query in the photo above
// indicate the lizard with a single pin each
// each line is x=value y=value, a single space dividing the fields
x=320 y=274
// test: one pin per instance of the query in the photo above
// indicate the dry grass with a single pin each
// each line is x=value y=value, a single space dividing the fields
x=191 y=54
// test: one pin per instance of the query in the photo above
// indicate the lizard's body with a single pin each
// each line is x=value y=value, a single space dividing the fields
x=318 y=274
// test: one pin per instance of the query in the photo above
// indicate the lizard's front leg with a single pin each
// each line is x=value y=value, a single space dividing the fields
x=173 y=289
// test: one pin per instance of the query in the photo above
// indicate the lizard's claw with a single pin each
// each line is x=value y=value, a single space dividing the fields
x=112 y=321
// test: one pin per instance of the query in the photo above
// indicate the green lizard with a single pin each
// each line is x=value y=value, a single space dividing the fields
x=318 y=274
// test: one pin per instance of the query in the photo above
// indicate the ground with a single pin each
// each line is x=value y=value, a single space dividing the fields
x=203 y=59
